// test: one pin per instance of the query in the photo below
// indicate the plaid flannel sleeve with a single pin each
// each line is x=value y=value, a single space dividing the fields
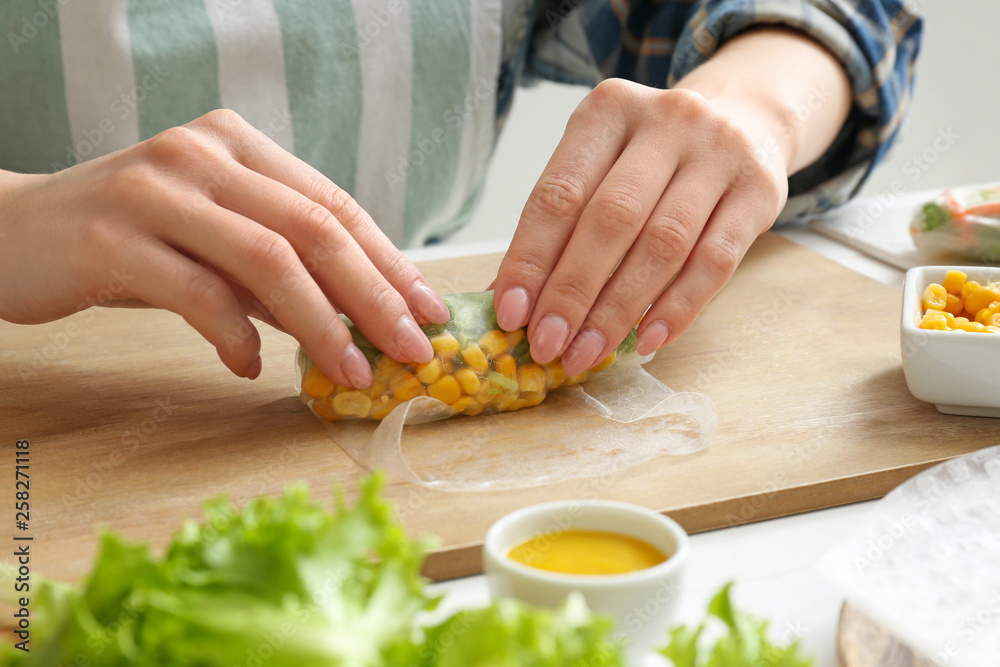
x=657 y=42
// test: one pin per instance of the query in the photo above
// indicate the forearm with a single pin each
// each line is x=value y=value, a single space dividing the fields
x=791 y=86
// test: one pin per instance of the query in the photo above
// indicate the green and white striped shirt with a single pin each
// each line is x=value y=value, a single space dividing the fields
x=393 y=100
x=399 y=101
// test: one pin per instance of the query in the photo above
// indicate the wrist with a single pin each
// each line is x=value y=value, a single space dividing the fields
x=764 y=116
x=759 y=122
x=789 y=88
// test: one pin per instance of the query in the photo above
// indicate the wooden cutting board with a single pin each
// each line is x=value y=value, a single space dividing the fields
x=133 y=421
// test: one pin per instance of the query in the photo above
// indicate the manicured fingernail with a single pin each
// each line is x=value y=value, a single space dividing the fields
x=253 y=370
x=355 y=367
x=652 y=337
x=549 y=339
x=412 y=342
x=512 y=311
x=430 y=305
x=583 y=352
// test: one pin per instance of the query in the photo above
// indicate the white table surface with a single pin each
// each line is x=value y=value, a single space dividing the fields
x=772 y=562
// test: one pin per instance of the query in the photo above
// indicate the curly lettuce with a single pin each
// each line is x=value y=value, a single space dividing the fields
x=743 y=642
x=285 y=583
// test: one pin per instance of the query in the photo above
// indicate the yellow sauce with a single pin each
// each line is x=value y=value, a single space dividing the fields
x=587 y=552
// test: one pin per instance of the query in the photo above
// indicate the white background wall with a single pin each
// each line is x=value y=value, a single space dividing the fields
x=958 y=88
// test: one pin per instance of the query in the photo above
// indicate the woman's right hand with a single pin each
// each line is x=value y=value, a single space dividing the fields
x=215 y=222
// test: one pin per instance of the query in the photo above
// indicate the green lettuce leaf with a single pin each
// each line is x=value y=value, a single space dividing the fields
x=743 y=643
x=283 y=582
x=508 y=633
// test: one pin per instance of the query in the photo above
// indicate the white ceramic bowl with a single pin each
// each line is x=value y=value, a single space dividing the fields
x=643 y=602
x=958 y=372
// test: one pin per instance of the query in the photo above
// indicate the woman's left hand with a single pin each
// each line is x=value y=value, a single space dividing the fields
x=649 y=203
x=645 y=185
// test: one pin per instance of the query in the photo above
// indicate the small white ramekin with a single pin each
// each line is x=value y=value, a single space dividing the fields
x=958 y=372
x=643 y=602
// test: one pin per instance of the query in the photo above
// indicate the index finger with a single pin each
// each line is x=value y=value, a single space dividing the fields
x=257 y=152
x=590 y=146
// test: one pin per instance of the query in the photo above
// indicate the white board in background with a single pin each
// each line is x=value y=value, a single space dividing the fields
x=880 y=227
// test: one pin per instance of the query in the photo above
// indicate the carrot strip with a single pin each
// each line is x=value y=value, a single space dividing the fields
x=989 y=209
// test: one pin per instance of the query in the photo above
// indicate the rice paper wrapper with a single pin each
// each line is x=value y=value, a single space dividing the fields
x=516 y=423
x=926 y=562
x=616 y=420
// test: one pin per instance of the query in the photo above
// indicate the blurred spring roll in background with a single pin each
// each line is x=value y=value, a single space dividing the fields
x=961 y=222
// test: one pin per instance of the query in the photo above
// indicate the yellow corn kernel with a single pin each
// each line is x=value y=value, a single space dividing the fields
x=506 y=366
x=352 y=404
x=988 y=312
x=475 y=359
x=503 y=402
x=575 y=379
x=968 y=288
x=993 y=319
x=406 y=386
x=381 y=408
x=953 y=305
x=325 y=410
x=487 y=393
x=386 y=363
x=462 y=403
x=533 y=397
x=954 y=281
x=554 y=375
x=608 y=360
x=517 y=404
x=991 y=328
x=429 y=372
x=445 y=346
x=316 y=384
x=514 y=338
x=971 y=326
x=445 y=390
x=531 y=378
x=377 y=389
x=934 y=319
x=493 y=343
x=959 y=321
x=935 y=297
x=473 y=409
x=386 y=368
x=467 y=380
x=982 y=298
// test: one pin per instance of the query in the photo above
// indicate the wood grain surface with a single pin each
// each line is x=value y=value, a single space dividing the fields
x=133 y=421
x=862 y=642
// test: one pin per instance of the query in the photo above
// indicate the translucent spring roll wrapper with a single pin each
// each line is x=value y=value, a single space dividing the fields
x=622 y=417
x=961 y=222
x=477 y=369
